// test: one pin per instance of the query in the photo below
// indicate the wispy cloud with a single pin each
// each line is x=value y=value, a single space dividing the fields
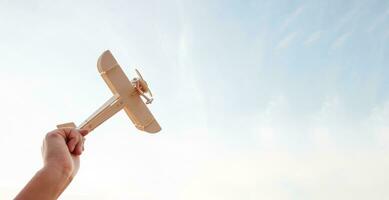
x=322 y=120
x=282 y=175
x=292 y=16
x=379 y=20
x=349 y=16
x=267 y=134
x=339 y=41
x=314 y=37
x=378 y=124
x=293 y=143
x=286 y=41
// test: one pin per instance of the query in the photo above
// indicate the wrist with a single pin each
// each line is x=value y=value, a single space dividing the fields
x=47 y=184
x=61 y=172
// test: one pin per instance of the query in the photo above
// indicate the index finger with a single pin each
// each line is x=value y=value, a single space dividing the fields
x=83 y=132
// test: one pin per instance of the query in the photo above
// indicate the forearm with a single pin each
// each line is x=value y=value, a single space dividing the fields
x=47 y=184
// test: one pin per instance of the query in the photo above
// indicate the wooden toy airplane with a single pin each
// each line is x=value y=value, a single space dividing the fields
x=126 y=95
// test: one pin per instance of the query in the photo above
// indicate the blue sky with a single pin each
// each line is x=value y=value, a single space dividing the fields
x=257 y=99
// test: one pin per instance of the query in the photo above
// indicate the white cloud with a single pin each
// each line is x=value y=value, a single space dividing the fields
x=292 y=16
x=283 y=175
x=265 y=128
x=286 y=41
x=340 y=40
x=378 y=21
x=322 y=139
x=349 y=16
x=313 y=38
x=378 y=124
x=192 y=162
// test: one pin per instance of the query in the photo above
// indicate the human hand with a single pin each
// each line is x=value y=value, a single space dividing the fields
x=61 y=149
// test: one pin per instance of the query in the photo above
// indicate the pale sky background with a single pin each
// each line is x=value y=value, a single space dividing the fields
x=257 y=99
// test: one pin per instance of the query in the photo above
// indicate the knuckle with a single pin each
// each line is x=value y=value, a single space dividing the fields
x=52 y=134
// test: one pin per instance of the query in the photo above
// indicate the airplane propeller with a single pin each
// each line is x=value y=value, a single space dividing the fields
x=141 y=86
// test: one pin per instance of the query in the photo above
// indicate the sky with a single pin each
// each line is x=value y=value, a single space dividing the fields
x=256 y=99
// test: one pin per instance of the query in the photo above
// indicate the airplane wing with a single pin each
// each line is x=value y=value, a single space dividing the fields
x=119 y=84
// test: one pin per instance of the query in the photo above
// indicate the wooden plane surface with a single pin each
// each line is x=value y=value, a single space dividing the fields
x=125 y=96
x=118 y=82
